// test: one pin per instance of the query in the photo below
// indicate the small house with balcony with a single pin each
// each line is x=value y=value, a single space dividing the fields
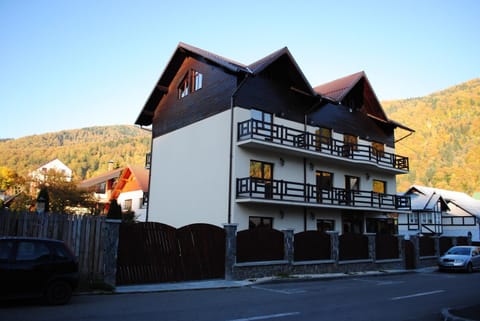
x=256 y=145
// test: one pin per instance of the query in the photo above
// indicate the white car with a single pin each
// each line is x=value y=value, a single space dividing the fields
x=466 y=258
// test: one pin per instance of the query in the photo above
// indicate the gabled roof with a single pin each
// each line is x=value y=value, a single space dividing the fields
x=458 y=199
x=425 y=201
x=294 y=70
x=136 y=175
x=100 y=178
x=184 y=50
x=338 y=90
x=180 y=54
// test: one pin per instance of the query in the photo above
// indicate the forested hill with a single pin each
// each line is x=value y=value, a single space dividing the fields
x=86 y=151
x=444 y=151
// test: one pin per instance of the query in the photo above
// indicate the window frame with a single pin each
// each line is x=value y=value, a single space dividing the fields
x=190 y=83
x=252 y=225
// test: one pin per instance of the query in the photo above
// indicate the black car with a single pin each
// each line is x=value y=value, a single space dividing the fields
x=37 y=267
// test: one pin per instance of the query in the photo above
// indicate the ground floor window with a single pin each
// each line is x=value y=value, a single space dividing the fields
x=352 y=223
x=260 y=222
x=381 y=226
x=325 y=225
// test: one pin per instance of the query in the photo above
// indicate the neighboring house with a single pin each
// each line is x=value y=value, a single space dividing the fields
x=440 y=212
x=131 y=191
x=41 y=173
x=102 y=186
x=257 y=145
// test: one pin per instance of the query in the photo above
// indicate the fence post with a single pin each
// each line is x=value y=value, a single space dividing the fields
x=416 y=249
x=335 y=246
x=230 y=249
x=437 y=245
x=372 y=246
x=288 y=245
x=401 y=248
x=110 y=237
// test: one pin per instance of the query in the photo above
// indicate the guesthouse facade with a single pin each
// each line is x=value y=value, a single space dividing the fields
x=256 y=145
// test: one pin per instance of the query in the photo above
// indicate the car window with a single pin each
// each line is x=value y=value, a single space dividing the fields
x=60 y=252
x=5 y=250
x=459 y=251
x=32 y=251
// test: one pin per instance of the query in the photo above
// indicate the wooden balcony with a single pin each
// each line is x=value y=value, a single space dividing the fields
x=271 y=136
x=250 y=189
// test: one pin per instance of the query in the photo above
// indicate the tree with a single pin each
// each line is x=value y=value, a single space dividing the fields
x=64 y=196
x=114 y=210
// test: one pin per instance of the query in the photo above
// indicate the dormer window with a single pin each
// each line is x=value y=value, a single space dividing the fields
x=192 y=82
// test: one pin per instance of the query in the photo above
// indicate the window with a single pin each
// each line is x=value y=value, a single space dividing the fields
x=262 y=175
x=325 y=225
x=349 y=145
x=260 y=222
x=192 y=82
x=5 y=250
x=378 y=149
x=100 y=188
x=352 y=183
x=127 y=205
x=412 y=218
x=324 y=185
x=264 y=119
x=261 y=170
x=351 y=141
x=379 y=186
x=323 y=136
x=30 y=251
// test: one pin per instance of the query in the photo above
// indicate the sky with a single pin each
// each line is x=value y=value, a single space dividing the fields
x=81 y=63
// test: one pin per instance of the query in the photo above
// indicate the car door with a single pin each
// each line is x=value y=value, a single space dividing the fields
x=476 y=258
x=31 y=268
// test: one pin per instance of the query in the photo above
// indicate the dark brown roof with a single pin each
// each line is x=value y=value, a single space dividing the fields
x=339 y=88
x=183 y=50
x=100 y=178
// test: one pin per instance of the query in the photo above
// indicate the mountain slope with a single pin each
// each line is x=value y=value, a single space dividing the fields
x=444 y=152
x=86 y=151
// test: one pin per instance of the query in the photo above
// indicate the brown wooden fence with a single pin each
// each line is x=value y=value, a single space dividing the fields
x=154 y=252
x=262 y=244
x=82 y=233
x=427 y=246
x=353 y=246
x=312 y=245
x=386 y=247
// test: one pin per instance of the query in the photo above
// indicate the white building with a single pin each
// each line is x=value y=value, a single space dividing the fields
x=41 y=173
x=257 y=145
x=441 y=212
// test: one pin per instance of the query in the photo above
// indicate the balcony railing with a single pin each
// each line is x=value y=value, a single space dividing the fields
x=280 y=190
x=286 y=136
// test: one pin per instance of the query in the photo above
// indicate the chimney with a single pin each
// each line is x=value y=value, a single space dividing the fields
x=110 y=165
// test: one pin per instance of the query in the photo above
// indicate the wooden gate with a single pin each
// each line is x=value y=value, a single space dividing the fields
x=154 y=252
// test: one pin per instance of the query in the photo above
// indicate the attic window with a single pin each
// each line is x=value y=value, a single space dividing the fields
x=192 y=82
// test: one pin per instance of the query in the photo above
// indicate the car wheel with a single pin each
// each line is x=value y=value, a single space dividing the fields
x=469 y=267
x=58 y=292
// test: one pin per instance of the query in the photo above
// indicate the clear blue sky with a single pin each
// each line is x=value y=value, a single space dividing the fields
x=73 y=64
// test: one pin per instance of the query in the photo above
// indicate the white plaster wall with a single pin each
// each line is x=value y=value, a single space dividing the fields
x=462 y=231
x=189 y=174
x=136 y=197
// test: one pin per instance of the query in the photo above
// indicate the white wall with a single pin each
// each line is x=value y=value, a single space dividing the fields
x=137 y=206
x=189 y=174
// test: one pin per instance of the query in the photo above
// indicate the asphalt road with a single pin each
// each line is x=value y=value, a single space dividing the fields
x=415 y=296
